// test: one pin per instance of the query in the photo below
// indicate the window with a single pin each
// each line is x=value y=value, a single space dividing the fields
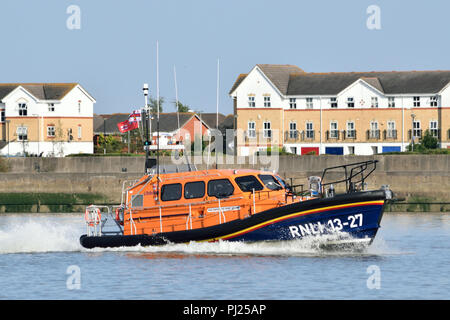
x=374 y=103
x=351 y=132
x=417 y=132
x=193 y=190
x=251 y=101
x=391 y=102
x=267 y=101
x=309 y=103
x=23 y=109
x=434 y=101
x=416 y=101
x=434 y=128
x=374 y=132
x=333 y=102
x=51 y=107
x=22 y=133
x=220 y=188
x=51 y=131
x=248 y=183
x=171 y=192
x=2 y=116
x=267 y=132
x=334 y=132
x=391 y=132
x=292 y=103
x=79 y=132
x=350 y=102
x=293 y=134
x=309 y=130
x=251 y=129
x=270 y=182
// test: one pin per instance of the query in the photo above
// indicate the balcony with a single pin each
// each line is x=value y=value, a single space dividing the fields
x=390 y=134
x=373 y=134
x=295 y=135
x=349 y=134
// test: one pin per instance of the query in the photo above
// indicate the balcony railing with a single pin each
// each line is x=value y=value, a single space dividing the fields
x=373 y=134
x=295 y=135
x=390 y=134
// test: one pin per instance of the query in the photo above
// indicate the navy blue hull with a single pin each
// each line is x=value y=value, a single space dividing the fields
x=354 y=216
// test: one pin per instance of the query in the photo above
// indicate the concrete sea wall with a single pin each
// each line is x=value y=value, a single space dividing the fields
x=425 y=177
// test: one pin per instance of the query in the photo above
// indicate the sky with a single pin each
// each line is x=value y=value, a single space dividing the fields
x=109 y=47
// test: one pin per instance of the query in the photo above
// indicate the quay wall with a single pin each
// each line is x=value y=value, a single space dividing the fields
x=409 y=176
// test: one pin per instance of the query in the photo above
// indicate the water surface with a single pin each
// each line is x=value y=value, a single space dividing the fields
x=41 y=258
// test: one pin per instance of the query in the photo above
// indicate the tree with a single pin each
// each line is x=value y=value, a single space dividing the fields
x=182 y=107
x=429 y=141
x=154 y=104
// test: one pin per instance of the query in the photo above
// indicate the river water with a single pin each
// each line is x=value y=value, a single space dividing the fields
x=41 y=258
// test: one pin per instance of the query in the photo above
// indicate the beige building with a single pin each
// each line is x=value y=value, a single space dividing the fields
x=339 y=113
x=45 y=119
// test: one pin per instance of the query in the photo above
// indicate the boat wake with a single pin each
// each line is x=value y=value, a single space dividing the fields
x=50 y=234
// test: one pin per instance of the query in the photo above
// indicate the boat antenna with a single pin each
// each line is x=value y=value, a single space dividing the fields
x=157 y=121
x=176 y=96
x=217 y=110
x=145 y=117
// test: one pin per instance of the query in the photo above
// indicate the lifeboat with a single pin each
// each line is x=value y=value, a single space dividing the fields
x=240 y=205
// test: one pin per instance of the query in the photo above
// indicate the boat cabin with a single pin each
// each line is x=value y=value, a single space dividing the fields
x=198 y=199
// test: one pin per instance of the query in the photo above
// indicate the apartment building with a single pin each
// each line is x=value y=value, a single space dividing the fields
x=340 y=112
x=45 y=119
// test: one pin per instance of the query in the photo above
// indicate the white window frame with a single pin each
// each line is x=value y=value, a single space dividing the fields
x=80 y=132
x=23 y=109
x=374 y=102
x=309 y=103
x=434 y=129
x=251 y=101
x=51 y=131
x=391 y=102
x=51 y=107
x=293 y=134
x=391 y=127
x=267 y=130
x=351 y=128
x=350 y=102
x=334 y=132
x=434 y=101
x=309 y=130
x=22 y=133
x=416 y=101
x=333 y=102
x=251 y=126
x=417 y=129
x=374 y=130
x=292 y=103
x=267 y=103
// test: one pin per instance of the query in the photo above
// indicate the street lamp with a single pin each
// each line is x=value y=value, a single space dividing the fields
x=413 y=116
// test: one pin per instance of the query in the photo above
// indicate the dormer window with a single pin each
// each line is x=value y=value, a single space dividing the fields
x=23 y=109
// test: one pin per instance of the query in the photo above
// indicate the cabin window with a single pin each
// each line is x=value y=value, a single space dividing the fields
x=220 y=188
x=270 y=182
x=281 y=181
x=248 y=183
x=170 y=192
x=193 y=190
x=137 y=200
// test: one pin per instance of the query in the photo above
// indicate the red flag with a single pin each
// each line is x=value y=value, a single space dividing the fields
x=127 y=126
x=132 y=122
